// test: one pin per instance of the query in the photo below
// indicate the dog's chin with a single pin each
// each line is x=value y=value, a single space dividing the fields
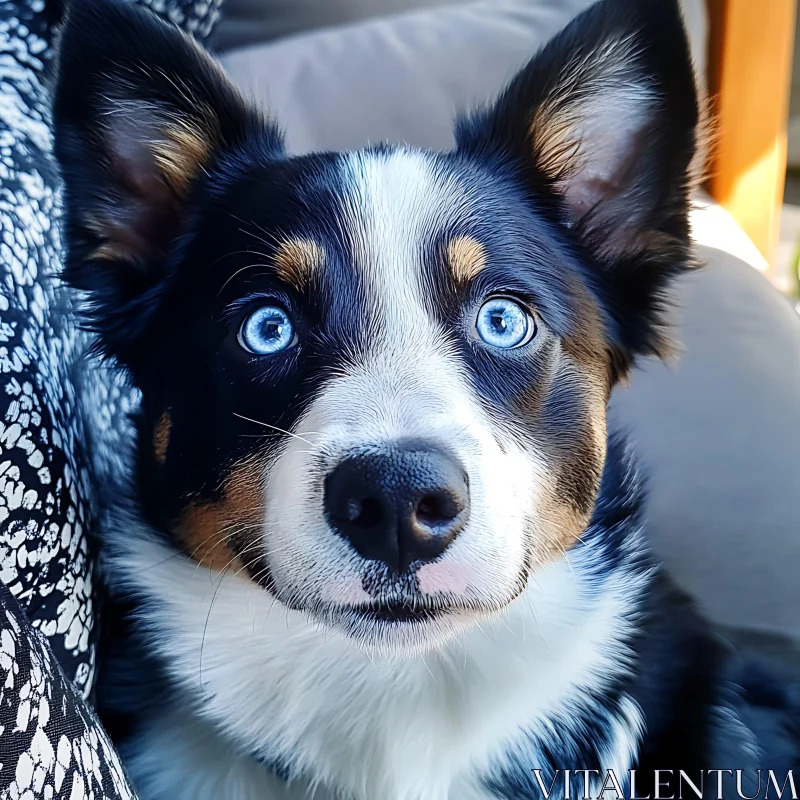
x=398 y=628
x=399 y=620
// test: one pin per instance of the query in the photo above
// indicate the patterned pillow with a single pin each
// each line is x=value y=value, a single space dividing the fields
x=51 y=742
x=62 y=424
x=62 y=420
x=54 y=456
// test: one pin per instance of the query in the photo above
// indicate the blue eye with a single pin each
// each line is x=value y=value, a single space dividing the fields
x=266 y=331
x=504 y=323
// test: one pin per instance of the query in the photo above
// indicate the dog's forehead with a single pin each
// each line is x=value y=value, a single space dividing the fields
x=399 y=198
x=397 y=211
x=383 y=230
x=331 y=223
x=396 y=207
x=413 y=228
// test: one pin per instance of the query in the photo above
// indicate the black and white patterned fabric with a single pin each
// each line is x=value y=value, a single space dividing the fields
x=64 y=432
x=199 y=17
x=44 y=481
x=51 y=745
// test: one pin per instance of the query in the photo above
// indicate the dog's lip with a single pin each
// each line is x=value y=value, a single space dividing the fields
x=396 y=612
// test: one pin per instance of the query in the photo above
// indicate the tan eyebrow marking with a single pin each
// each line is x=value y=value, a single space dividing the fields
x=297 y=259
x=466 y=257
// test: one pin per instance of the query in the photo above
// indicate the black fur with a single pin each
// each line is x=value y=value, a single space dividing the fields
x=114 y=52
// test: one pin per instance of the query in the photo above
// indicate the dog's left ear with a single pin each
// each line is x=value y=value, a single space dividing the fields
x=142 y=117
x=603 y=121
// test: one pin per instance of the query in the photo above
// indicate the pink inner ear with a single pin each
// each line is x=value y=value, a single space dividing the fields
x=132 y=130
x=606 y=156
x=591 y=134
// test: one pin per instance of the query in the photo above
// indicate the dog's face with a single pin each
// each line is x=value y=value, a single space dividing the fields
x=375 y=383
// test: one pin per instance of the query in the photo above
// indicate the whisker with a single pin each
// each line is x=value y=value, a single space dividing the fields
x=225 y=534
x=238 y=272
x=222 y=537
x=274 y=239
x=250 y=562
x=161 y=561
x=238 y=555
x=532 y=607
x=569 y=563
x=239 y=253
x=275 y=428
x=208 y=618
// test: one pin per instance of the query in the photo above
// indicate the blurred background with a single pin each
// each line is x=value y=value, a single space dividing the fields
x=788 y=255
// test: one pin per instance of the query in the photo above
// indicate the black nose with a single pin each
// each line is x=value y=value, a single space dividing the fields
x=398 y=504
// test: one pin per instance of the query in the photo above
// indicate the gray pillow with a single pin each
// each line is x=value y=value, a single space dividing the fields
x=719 y=430
x=402 y=78
x=248 y=22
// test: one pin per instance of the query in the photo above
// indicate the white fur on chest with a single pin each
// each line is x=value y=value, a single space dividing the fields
x=411 y=729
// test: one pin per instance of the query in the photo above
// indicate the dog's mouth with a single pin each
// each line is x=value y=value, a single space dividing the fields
x=402 y=624
x=383 y=614
x=410 y=610
x=396 y=613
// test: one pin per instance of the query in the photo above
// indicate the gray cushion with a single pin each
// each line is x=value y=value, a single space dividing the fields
x=718 y=430
x=248 y=22
x=399 y=79
x=402 y=78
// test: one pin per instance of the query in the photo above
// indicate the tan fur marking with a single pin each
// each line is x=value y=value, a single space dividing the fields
x=108 y=252
x=183 y=151
x=562 y=527
x=466 y=257
x=560 y=524
x=555 y=144
x=168 y=154
x=161 y=437
x=208 y=529
x=575 y=462
x=296 y=260
x=557 y=128
x=200 y=531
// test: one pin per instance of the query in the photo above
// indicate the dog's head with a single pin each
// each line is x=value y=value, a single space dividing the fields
x=375 y=383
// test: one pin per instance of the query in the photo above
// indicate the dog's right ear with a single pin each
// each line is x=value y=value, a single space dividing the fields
x=601 y=129
x=141 y=114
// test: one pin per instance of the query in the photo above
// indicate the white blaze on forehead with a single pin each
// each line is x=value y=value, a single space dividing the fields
x=399 y=204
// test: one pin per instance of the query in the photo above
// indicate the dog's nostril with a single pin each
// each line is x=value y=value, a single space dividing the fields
x=365 y=513
x=437 y=509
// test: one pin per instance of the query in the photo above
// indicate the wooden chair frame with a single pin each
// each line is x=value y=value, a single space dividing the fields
x=749 y=76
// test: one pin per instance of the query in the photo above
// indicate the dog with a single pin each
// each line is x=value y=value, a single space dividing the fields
x=379 y=542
